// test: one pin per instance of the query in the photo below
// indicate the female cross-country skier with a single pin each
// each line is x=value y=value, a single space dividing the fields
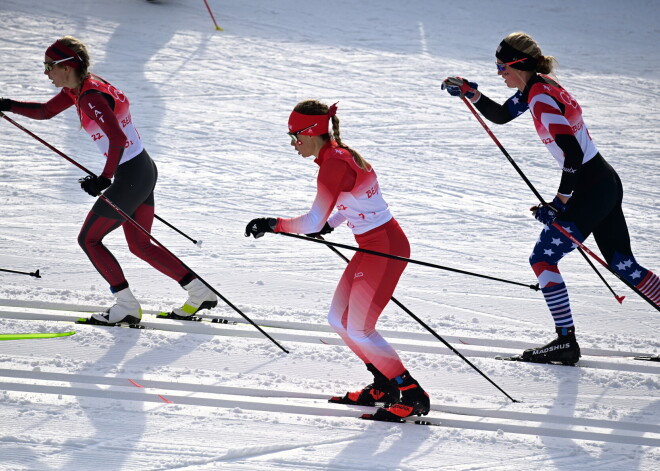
x=128 y=178
x=588 y=200
x=349 y=183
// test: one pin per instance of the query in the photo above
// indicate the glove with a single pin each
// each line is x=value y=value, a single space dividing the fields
x=326 y=229
x=458 y=86
x=5 y=104
x=547 y=213
x=258 y=227
x=94 y=185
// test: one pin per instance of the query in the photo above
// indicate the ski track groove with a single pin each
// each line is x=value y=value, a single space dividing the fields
x=314 y=333
x=275 y=393
x=276 y=401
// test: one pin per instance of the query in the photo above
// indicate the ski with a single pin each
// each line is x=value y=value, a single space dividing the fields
x=194 y=318
x=520 y=359
x=92 y=321
x=209 y=318
x=648 y=358
x=429 y=421
x=162 y=315
x=29 y=336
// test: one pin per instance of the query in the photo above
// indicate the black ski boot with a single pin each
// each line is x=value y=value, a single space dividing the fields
x=381 y=390
x=564 y=349
x=414 y=401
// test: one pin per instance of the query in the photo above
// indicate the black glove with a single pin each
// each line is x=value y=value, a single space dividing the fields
x=326 y=229
x=547 y=213
x=5 y=104
x=94 y=185
x=259 y=226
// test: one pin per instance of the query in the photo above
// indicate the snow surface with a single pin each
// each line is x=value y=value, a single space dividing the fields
x=212 y=108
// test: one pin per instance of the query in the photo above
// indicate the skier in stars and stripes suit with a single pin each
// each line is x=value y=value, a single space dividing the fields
x=590 y=193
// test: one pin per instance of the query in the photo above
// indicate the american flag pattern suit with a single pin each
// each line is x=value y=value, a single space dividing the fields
x=595 y=205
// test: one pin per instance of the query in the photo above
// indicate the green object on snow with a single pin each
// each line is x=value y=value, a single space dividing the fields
x=34 y=336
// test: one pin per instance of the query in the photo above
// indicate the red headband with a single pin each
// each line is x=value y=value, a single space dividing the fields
x=58 y=51
x=318 y=124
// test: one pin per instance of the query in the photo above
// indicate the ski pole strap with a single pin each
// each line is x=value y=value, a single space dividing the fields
x=535 y=287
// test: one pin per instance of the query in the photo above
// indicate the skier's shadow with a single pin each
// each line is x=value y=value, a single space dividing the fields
x=111 y=432
x=405 y=440
x=568 y=390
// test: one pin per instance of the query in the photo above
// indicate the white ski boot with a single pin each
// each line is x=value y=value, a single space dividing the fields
x=125 y=310
x=199 y=297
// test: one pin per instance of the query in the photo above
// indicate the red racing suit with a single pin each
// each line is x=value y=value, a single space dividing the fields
x=104 y=112
x=368 y=282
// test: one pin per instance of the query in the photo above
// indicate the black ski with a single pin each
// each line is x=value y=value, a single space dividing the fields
x=648 y=358
x=520 y=358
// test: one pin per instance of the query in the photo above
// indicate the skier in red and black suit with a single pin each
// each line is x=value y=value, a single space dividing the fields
x=347 y=182
x=590 y=193
x=104 y=113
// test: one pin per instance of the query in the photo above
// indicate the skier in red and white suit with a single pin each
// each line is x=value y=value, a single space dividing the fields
x=104 y=113
x=347 y=182
x=590 y=194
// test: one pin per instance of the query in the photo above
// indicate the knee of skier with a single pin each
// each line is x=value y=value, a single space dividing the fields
x=139 y=250
x=360 y=334
x=85 y=242
x=334 y=319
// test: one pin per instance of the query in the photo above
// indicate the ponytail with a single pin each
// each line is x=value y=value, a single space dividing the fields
x=526 y=44
x=359 y=160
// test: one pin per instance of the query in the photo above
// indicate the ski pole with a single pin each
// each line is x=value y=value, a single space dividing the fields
x=602 y=262
x=81 y=167
x=148 y=234
x=35 y=274
x=591 y=264
x=404 y=259
x=432 y=332
x=531 y=187
x=218 y=28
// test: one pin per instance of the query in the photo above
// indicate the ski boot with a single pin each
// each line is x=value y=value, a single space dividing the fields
x=199 y=297
x=564 y=349
x=414 y=401
x=126 y=310
x=381 y=390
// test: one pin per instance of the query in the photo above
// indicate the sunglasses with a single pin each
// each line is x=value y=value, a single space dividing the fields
x=294 y=135
x=48 y=66
x=502 y=66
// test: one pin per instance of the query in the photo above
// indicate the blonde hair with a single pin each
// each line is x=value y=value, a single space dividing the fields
x=526 y=44
x=79 y=48
x=315 y=107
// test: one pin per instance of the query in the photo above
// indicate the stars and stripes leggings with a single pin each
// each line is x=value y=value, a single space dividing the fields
x=133 y=191
x=594 y=208
x=364 y=290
